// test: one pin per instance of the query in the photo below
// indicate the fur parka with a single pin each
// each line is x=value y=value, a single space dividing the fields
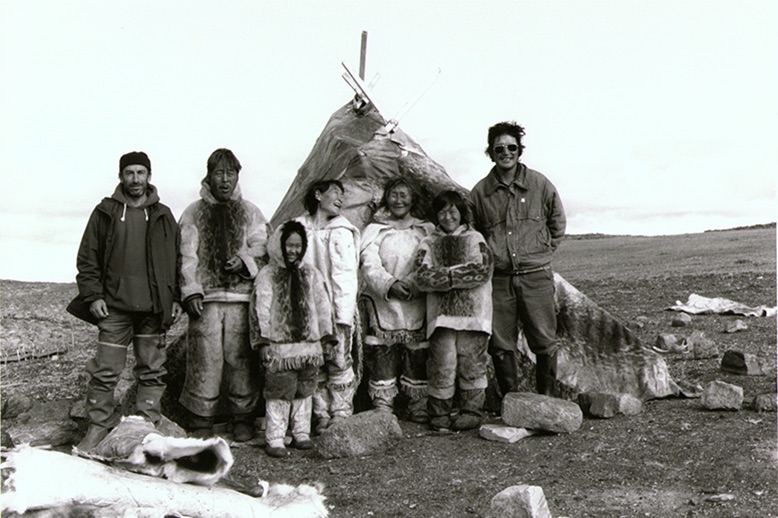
x=291 y=325
x=211 y=233
x=455 y=270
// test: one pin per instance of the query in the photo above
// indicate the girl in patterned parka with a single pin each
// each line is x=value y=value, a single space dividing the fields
x=293 y=318
x=454 y=266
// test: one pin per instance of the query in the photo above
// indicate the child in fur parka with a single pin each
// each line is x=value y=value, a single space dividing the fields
x=293 y=317
x=454 y=266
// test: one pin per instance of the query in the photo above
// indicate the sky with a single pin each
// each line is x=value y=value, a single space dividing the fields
x=651 y=118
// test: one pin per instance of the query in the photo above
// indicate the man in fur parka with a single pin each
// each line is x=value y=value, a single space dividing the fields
x=223 y=247
x=292 y=316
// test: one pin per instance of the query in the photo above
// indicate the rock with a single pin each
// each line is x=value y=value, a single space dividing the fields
x=501 y=433
x=521 y=501
x=605 y=405
x=640 y=321
x=15 y=405
x=53 y=433
x=741 y=363
x=702 y=346
x=719 y=395
x=765 y=403
x=538 y=412
x=361 y=434
x=734 y=327
x=681 y=320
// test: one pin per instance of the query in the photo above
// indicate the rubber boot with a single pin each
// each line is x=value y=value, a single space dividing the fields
x=277 y=421
x=440 y=413
x=242 y=427
x=545 y=373
x=148 y=402
x=506 y=371
x=471 y=403
x=301 y=424
x=94 y=435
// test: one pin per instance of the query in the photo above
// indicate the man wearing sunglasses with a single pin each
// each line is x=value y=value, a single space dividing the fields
x=519 y=212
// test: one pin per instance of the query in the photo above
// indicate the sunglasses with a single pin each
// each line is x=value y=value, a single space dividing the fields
x=501 y=149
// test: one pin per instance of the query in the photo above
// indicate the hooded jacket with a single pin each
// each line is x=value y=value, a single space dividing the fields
x=388 y=253
x=290 y=322
x=200 y=273
x=455 y=270
x=162 y=247
x=334 y=251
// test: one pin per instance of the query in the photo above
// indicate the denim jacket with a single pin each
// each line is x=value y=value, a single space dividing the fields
x=522 y=222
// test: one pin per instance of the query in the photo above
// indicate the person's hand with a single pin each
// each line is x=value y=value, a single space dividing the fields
x=264 y=353
x=177 y=310
x=99 y=309
x=194 y=306
x=399 y=290
x=234 y=265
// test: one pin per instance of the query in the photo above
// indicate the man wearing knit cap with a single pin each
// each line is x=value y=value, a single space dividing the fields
x=128 y=287
x=223 y=247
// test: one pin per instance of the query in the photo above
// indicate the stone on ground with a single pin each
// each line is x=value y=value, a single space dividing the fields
x=502 y=433
x=606 y=405
x=681 y=320
x=522 y=501
x=765 y=403
x=15 y=405
x=702 y=346
x=538 y=412
x=734 y=327
x=365 y=433
x=738 y=362
x=719 y=395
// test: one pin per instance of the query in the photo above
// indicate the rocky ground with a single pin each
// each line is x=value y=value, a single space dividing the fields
x=673 y=459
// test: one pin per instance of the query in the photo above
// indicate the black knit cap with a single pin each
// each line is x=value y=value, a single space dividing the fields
x=134 y=158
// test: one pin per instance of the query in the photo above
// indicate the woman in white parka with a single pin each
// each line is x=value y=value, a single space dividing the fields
x=333 y=248
x=395 y=338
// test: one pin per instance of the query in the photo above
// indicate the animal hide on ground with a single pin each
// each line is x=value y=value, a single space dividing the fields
x=699 y=305
x=135 y=445
x=36 y=479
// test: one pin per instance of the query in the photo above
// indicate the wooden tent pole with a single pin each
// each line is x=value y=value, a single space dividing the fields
x=363 y=56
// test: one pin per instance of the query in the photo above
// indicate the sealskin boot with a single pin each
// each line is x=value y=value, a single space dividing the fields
x=471 y=403
x=440 y=413
x=242 y=428
x=200 y=427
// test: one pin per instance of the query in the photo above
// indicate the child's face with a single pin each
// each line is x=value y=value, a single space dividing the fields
x=449 y=218
x=293 y=247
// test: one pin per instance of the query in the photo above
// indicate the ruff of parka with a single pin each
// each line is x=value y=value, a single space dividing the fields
x=98 y=250
x=455 y=269
x=212 y=233
x=522 y=222
x=293 y=312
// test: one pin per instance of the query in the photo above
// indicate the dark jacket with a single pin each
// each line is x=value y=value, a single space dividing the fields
x=522 y=223
x=162 y=250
